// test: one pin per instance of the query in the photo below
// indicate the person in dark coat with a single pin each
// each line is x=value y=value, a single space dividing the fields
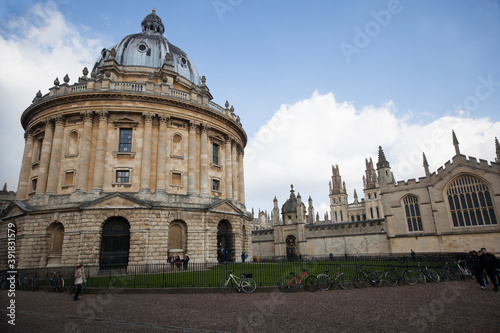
x=475 y=264
x=489 y=264
x=185 y=262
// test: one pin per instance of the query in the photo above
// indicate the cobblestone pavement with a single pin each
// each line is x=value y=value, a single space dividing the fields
x=443 y=307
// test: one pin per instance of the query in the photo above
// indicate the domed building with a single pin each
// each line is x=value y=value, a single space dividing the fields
x=130 y=165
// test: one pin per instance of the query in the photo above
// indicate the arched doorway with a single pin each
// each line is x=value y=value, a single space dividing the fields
x=225 y=242
x=115 y=243
x=291 y=248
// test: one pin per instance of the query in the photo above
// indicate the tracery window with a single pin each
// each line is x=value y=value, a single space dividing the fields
x=470 y=204
x=412 y=210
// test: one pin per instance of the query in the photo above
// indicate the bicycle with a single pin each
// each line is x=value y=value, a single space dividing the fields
x=26 y=282
x=427 y=273
x=326 y=281
x=362 y=276
x=55 y=283
x=245 y=283
x=447 y=272
x=34 y=282
x=392 y=278
x=464 y=270
x=289 y=285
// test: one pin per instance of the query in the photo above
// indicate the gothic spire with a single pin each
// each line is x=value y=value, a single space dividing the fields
x=497 y=149
x=455 y=143
x=426 y=166
x=382 y=162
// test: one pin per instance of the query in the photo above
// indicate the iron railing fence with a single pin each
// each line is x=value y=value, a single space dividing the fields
x=265 y=272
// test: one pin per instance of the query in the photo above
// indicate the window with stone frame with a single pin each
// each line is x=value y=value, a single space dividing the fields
x=122 y=176
x=412 y=211
x=470 y=202
x=176 y=179
x=125 y=140
x=33 y=184
x=216 y=185
x=215 y=153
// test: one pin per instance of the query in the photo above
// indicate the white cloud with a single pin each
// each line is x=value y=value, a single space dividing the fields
x=34 y=50
x=300 y=143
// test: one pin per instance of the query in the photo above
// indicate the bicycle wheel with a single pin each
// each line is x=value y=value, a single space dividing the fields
x=311 y=283
x=391 y=278
x=248 y=285
x=433 y=275
x=287 y=286
x=324 y=282
x=454 y=273
x=71 y=288
x=359 y=280
x=420 y=277
x=344 y=281
x=410 y=278
x=59 y=284
x=225 y=285
x=377 y=278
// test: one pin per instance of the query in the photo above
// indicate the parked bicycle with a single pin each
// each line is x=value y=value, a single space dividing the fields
x=327 y=281
x=425 y=274
x=246 y=283
x=291 y=284
x=34 y=282
x=55 y=283
x=25 y=282
x=449 y=272
x=464 y=270
x=362 y=276
x=392 y=278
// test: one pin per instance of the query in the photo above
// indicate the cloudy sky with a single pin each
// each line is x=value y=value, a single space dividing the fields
x=316 y=83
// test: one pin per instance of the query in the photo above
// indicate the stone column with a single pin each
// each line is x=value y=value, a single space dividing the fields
x=204 y=160
x=83 y=163
x=229 y=170
x=241 y=175
x=192 y=159
x=22 y=186
x=161 y=166
x=100 y=152
x=55 y=156
x=43 y=170
x=234 y=163
x=146 y=151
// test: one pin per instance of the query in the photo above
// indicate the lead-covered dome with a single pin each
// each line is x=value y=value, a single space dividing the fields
x=149 y=49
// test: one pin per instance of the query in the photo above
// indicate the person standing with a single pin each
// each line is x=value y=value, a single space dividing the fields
x=243 y=256
x=475 y=264
x=489 y=264
x=79 y=280
x=413 y=255
x=185 y=262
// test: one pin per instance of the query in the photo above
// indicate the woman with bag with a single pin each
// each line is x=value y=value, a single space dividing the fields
x=79 y=280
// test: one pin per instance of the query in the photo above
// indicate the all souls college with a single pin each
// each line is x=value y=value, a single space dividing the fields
x=134 y=163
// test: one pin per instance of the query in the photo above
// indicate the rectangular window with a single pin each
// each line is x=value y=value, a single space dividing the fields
x=215 y=153
x=176 y=179
x=123 y=176
x=125 y=144
x=33 y=184
x=69 y=178
x=215 y=185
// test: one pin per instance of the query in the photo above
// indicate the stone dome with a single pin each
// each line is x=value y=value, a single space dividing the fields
x=290 y=206
x=150 y=49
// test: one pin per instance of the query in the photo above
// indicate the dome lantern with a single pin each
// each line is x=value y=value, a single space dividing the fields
x=152 y=23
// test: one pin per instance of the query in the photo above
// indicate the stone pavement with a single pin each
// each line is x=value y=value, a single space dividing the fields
x=443 y=307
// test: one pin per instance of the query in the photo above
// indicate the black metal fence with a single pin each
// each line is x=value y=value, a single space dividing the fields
x=266 y=272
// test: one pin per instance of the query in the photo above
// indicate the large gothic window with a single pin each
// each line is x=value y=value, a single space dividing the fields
x=470 y=203
x=412 y=210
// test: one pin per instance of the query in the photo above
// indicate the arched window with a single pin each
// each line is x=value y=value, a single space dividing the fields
x=115 y=243
x=470 y=204
x=177 y=147
x=412 y=211
x=177 y=236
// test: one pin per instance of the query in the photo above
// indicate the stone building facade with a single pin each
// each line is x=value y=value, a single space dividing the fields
x=130 y=165
x=452 y=210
